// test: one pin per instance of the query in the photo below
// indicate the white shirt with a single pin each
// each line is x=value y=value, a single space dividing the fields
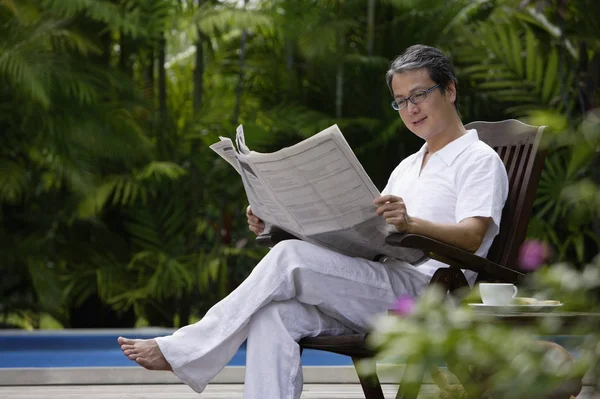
x=466 y=178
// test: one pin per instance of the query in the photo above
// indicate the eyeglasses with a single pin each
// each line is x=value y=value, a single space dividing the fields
x=414 y=98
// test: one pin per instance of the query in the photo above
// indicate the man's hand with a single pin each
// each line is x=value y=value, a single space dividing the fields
x=256 y=225
x=394 y=212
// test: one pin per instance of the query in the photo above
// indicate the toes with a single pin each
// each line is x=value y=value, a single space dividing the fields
x=127 y=347
x=133 y=356
x=127 y=341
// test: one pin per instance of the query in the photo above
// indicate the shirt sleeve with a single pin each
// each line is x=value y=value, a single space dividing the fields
x=482 y=189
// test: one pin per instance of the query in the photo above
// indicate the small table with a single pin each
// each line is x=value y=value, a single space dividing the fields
x=589 y=322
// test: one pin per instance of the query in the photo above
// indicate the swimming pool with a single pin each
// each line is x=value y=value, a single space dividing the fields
x=100 y=349
x=93 y=357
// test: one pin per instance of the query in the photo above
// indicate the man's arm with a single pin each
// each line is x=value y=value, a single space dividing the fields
x=467 y=235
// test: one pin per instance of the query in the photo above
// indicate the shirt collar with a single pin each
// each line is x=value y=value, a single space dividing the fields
x=450 y=151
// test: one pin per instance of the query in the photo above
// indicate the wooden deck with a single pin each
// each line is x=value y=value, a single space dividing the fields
x=179 y=391
x=214 y=391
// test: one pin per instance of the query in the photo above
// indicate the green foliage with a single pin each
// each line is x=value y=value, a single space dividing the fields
x=490 y=359
x=78 y=160
x=509 y=63
x=212 y=20
x=524 y=58
x=128 y=16
x=13 y=181
x=128 y=190
x=567 y=197
x=107 y=187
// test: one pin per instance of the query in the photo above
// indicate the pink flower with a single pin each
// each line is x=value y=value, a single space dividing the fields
x=404 y=305
x=533 y=254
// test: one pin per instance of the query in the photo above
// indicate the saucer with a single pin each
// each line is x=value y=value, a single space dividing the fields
x=516 y=308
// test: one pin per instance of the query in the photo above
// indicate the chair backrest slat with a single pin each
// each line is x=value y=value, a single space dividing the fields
x=517 y=144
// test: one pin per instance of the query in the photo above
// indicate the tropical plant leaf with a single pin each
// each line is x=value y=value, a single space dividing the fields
x=47 y=285
x=98 y=10
x=13 y=181
x=515 y=74
x=157 y=171
x=212 y=20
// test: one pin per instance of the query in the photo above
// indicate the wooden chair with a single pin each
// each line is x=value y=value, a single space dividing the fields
x=518 y=146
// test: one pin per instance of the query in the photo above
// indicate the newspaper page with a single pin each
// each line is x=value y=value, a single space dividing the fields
x=318 y=191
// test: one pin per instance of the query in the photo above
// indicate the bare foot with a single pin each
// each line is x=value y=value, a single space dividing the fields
x=144 y=352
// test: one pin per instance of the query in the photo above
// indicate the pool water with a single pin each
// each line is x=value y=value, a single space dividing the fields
x=38 y=350
x=71 y=348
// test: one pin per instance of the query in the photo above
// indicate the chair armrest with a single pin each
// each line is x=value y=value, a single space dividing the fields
x=454 y=257
x=273 y=237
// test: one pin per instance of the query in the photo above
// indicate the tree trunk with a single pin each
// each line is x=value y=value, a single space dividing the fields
x=370 y=26
x=198 y=91
x=148 y=76
x=125 y=61
x=162 y=81
x=198 y=73
x=148 y=86
x=339 y=90
x=339 y=75
x=106 y=42
x=289 y=50
x=194 y=202
x=238 y=95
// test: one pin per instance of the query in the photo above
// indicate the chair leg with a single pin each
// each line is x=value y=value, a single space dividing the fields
x=370 y=385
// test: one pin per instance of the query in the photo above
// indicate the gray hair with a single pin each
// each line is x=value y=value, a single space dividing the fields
x=420 y=56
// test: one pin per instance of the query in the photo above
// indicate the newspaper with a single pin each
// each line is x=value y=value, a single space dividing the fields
x=318 y=191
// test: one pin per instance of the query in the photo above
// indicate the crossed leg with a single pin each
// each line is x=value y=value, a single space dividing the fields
x=349 y=290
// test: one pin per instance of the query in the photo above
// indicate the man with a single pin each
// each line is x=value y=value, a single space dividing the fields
x=452 y=190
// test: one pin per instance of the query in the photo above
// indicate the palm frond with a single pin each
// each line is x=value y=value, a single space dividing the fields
x=95 y=201
x=537 y=18
x=35 y=60
x=47 y=284
x=372 y=61
x=154 y=17
x=17 y=69
x=169 y=275
x=159 y=229
x=157 y=171
x=382 y=138
x=324 y=39
x=511 y=65
x=25 y=11
x=14 y=179
x=213 y=19
x=415 y=18
x=126 y=190
x=294 y=119
x=98 y=10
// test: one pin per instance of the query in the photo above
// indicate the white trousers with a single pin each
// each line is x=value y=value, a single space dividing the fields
x=296 y=290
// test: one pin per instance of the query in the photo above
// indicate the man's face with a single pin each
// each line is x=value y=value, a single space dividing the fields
x=433 y=115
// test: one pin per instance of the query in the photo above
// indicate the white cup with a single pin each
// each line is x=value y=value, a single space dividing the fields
x=497 y=294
